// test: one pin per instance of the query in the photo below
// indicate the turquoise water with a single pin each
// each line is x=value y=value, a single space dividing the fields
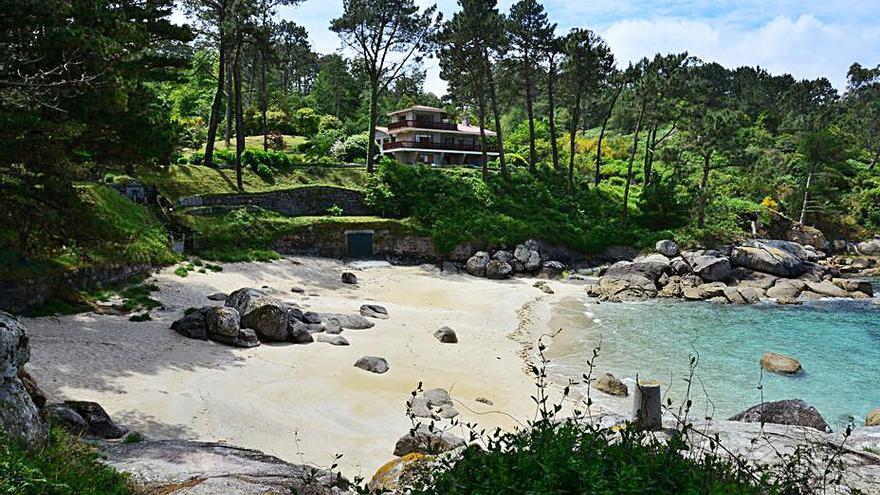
x=837 y=342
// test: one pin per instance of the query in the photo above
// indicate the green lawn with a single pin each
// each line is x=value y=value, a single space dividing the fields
x=291 y=143
x=190 y=180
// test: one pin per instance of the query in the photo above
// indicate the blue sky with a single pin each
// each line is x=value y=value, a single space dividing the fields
x=807 y=38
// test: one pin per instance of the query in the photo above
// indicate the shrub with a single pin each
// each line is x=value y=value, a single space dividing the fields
x=140 y=317
x=306 y=122
x=181 y=271
x=65 y=467
x=329 y=122
x=335 y=211
x=264 y=172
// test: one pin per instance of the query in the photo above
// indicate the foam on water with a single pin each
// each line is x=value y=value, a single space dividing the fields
x=837 y=342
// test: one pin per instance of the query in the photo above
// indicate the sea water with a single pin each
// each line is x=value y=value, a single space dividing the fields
x=837 y=342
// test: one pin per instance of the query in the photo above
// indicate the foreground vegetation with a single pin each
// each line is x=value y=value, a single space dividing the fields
x=65 y=466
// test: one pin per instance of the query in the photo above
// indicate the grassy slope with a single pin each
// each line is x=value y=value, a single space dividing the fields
x=189 y=180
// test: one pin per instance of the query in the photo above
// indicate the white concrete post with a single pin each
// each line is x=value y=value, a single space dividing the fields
x=646 y=405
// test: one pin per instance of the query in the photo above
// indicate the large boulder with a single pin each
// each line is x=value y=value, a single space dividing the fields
x=374 y=311
x=502 y=255
x=873 y=418
x=348 y=322
x=780 y=363
x=784 y=412
x=261 y=312
x=709 y=266
x=826 y=288
x=68 y=419
x=767 y=259
x=551 y=269
x=224 y=321
x=399 y=473
x=626 y=288
x=100 y=423
x=446 y=335
x=476 y=264
x=667 y=248
x=610 y=384
x=426 y=440
x=20 y=418
x=854 y=285
x=185 y=467
x=193 y=324
x=372 y=364
x=498 y=270
x=530 y=259
x=805 y=253
x=751 y=278
x=786 y=289
x=869 y=248
x=651 y=267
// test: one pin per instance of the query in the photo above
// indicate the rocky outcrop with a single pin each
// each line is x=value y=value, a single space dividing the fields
x=611 y=385
x=399 y=472
x=873 y=418
x=869 y=248
x=785 y=271
x=220 y=324
x=20 y=418
x=780 y=363
x=784 y=412
x=193 y=468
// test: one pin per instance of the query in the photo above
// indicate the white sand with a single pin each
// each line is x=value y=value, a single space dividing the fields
x=303 y=403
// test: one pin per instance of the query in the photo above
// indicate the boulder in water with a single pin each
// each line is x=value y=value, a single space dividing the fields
x=610 y=384
x=780 y=363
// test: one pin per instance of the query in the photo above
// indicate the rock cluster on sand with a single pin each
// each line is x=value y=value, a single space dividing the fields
x=786 y=271
x=779 y=363
x=784 y=412
x=505 y=264
x=433 y=404
x=20 y=417
x=426 y=440
x=251 y=316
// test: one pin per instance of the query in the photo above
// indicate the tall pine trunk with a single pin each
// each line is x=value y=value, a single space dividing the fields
x=551 y=97
x=533 y=154
x=649 y=154
x=632 y=158
x=598 y=177
x=214 y=120
x=481 y=115
x=230 y=104
x=499 y=135
x=239 y=116
x=374 y=119
x=704 y=183
x=264 y=103
x=575 y=123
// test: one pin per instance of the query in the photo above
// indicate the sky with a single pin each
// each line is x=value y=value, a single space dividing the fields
x=806 y=38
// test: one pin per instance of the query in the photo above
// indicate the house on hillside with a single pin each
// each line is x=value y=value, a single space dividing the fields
x=427 y=135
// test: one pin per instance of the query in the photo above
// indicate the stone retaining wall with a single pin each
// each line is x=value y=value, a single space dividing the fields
x=296 y=202
x=390 y=240
x=17 y=296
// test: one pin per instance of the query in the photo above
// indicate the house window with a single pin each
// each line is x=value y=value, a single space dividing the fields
x=425 y=158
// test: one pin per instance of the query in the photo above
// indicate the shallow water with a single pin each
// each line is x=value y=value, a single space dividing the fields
x=837 y=342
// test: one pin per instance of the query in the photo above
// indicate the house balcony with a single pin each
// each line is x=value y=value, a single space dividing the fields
x=418 y=124
x=427 y=145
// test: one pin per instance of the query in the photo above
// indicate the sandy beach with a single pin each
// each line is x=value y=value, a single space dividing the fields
x=304 y=403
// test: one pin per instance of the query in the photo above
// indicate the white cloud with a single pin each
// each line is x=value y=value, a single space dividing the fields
x=805 y=47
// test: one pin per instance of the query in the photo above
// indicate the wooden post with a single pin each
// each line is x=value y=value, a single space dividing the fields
x=646 y=405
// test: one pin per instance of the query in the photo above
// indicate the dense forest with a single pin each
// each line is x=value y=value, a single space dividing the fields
x=593 y=150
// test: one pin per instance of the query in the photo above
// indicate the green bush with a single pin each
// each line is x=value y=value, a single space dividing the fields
x=181 y=271
x=457 y=206
x=65 y=467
